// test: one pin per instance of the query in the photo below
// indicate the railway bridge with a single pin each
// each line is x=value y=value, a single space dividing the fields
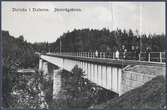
x=102 y=69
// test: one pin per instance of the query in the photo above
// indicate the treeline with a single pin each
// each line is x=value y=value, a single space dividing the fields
x=41 y=47
x=16 y=51
x=105 y=40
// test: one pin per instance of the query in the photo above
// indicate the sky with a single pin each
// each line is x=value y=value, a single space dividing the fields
x=47 y=26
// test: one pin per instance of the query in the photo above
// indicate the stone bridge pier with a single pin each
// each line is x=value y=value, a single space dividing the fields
x=56 y=83
x=43 y=67
x=51 y=73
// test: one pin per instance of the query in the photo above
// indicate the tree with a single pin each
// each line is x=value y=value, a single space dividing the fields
x=21 y=38
x=77 y=79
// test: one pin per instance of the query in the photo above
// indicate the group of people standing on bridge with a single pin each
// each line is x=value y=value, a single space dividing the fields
x=124 y=54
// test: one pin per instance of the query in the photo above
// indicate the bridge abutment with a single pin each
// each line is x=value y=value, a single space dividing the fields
x=133 y=78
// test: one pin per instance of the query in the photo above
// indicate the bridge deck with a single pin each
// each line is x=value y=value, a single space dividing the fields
x=109 y=61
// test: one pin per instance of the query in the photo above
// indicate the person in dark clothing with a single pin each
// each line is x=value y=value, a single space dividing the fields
x=137 y=53
x=147 y=54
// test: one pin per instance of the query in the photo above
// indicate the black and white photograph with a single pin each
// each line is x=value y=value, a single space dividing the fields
x=83 y=54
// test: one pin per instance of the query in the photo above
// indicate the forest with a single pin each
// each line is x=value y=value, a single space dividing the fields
x=86 y=40
x=17 y=53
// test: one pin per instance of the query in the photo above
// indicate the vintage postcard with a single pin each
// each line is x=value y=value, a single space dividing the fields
x=78 y=54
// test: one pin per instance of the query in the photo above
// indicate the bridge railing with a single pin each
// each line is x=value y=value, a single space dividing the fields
x=150 y=57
